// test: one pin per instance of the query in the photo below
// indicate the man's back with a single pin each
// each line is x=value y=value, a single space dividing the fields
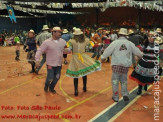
x=43 y=36
x=121 y=51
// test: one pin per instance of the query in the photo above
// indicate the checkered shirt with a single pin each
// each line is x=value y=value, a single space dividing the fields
x=119 y=69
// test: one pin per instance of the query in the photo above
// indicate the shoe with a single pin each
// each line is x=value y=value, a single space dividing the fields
x=125 y=98
x=139 y=92
x=114 y=100
x=46 y=88
x=32 y=71
x=65 y=62
x=52 y=91
x=84 y=89
x=36 y=71
x=76 y=93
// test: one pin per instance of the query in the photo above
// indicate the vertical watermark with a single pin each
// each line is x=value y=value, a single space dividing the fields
x=156 y=83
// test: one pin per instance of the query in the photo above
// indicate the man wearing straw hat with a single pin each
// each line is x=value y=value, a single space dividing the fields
x=53 y=48
x=66 y=37
x=97 y=39
x=158 y=30
x=121 y=51
x=41 y=38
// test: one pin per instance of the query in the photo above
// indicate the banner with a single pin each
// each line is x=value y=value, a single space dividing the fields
x=11 y=14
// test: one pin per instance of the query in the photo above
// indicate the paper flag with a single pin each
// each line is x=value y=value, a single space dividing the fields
x=11 y=14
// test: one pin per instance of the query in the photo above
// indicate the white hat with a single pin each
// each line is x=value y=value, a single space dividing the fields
x=31 y=31
x=100 y=29
x=65 y=31
x=158 y=40
x=57 y=29
x=152 y=33
x=158 y=30
x=74 y=28
x=45 y=27
x=123 y=31
x=130 y=31
x=77 y=31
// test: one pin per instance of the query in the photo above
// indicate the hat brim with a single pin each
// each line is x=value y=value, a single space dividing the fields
x=45 y=29
x=78 y=33
x=57 y=30
x=130 y=33
x=31 y=32
x=65 y=31
x=123 y=34
x=158 y=31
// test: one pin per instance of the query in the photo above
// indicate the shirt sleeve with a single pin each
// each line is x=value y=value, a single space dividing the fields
x=136 y=51
x=108 y=51
x=40 y=51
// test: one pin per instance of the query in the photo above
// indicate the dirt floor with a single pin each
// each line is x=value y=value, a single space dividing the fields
x=22 y=98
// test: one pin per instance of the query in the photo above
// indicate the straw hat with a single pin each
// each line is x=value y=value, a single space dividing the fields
x=130 y=31
x=123 y=31
x=57 y=29
x=31 y=31
x=65 y=31
x=107 y=32
x=18 y=42
x=74 y=28
x=158 y=40
x=152 y=33
x=77 y=31
x=99 y=29
x=142 y=30
x=158 y=30
x=45 y=27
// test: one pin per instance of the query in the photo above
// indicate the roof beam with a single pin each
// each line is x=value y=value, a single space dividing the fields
x=57 y=1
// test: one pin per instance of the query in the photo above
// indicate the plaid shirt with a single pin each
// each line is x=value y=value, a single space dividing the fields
x=119 y=69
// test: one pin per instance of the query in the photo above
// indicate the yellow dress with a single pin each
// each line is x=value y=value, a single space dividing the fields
x=81 y=64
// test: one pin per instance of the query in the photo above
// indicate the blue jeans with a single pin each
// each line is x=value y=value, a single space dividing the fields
x=96 y=52
x=53 y=75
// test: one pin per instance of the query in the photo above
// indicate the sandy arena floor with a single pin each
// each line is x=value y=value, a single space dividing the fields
x=22 y=98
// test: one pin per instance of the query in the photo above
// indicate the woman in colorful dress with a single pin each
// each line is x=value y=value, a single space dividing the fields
x=30 y=47
x=144 y=72
x=81 y=64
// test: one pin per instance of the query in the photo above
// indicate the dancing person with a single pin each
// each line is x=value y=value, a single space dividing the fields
x=121 y=51
x=81 y=64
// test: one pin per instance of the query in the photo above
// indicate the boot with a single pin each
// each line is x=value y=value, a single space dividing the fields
x=85 y=83
x=145 y=87
x=76 y=86
x=160 y=71
x=33 y=68
x=139 y=90
x=108 y=60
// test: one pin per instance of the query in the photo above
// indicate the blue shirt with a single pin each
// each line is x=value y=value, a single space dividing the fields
x=31 y=42
x=66 y=37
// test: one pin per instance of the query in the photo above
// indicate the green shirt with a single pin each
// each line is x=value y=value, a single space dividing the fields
x=16 y=39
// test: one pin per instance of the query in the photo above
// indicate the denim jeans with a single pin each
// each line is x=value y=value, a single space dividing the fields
x=122 y=77
x=96 y=52
x=53 y=75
